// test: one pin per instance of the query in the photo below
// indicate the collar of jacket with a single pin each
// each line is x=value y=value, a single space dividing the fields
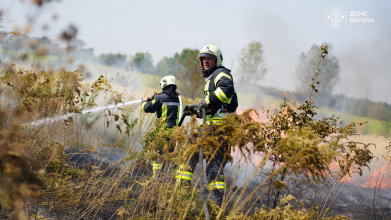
x=207 y=73
x=170 y=90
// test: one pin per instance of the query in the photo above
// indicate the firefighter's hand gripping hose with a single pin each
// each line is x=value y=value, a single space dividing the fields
x=152 y=97
x=189 y=110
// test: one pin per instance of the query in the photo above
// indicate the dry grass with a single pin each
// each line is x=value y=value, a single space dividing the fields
x=98 y=165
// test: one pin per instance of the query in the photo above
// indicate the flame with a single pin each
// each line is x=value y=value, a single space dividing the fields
x=377 y=178
x=348 y=179
x=261 y=118
x=334 y=166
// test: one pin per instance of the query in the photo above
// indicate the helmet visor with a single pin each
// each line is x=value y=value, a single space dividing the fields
x=207 y=55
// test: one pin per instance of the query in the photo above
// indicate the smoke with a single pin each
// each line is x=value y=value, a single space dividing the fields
x=362 y=49
x=364 y=68
x=24 y=51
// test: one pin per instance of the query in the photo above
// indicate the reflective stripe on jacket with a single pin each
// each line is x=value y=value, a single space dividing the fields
x=219 y=90
x=165 y=107
x=216 y=118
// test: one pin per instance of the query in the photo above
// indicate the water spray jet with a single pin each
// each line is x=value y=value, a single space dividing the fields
x=97 y=109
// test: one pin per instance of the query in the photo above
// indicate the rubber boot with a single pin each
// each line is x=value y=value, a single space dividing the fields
x=219 y=195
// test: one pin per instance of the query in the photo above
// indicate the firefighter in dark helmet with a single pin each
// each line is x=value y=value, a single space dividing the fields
x=220 y=99
x=167 y=105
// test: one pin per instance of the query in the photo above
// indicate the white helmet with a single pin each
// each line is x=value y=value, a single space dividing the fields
x=167 y=80
x=211 y=51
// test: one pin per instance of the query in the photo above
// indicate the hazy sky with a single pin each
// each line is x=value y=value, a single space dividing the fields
x=286 y=28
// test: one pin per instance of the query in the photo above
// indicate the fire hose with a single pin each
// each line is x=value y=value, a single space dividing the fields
x=64 y=116
x=119 y=105
x=190 y=110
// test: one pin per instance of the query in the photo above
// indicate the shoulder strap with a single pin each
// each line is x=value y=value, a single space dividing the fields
x=221 y=69
x=220 y=72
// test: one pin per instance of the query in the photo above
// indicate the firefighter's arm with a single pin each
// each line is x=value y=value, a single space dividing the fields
x=151 y=106
x=224 y=90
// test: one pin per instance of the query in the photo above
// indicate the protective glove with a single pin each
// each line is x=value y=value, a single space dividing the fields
x=152 y=98
x=200 y=105
x=148 y=99
x=190 y=110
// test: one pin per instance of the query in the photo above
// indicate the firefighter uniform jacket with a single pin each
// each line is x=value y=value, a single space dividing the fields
x=165 y=107
x=219 y=90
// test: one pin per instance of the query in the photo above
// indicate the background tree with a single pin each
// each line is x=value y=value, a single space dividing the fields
x=187 y=70
x=3 y=34
x=328 y=75
x=166 y=65
x=45 y=40
x=379 y=111
x=188 y=73
x=89 y=50
x=251 y=63
x=117 y=60
x=79 y=44
x=143 y=62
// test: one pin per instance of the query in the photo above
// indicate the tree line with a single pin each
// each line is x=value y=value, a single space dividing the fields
x=251 y=61
x=251 y=69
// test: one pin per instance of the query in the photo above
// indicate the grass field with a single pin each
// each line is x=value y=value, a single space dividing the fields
x=373 y=126
x=123 y=75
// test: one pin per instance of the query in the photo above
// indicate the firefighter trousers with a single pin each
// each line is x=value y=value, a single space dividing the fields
x=159 y=165
x=214 y=172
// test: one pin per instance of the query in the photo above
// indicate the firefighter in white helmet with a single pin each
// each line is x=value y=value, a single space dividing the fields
x=167 y=106
x=220 y=99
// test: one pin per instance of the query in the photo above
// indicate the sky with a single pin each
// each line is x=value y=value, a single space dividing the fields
x=285 y=28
